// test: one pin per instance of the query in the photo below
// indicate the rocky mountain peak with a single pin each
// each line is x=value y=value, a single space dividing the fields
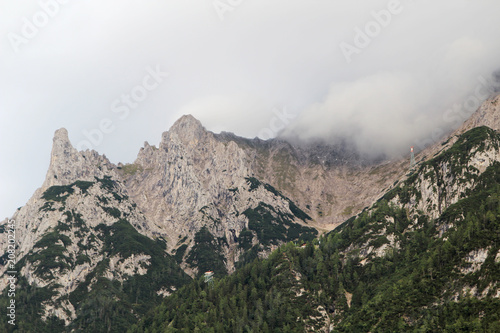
x=61 y=145
x=62 y=149
x=61 y=135
x=217 y=201
x=187 y=120
x=187 y=129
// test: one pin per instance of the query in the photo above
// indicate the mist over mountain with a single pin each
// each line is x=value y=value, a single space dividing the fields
x=385 y=114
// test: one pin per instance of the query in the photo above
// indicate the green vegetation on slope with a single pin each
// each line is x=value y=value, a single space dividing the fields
x=409 y=289
x=101 y=304
x=118 y=304
x=273 y=227
x=296 y=211
x=206 y=254
x=29 y=299
x=61 y=193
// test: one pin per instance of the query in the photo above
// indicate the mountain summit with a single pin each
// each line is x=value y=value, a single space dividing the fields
x=188 y=129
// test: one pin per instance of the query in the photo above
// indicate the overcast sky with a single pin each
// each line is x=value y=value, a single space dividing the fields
x=385 y=74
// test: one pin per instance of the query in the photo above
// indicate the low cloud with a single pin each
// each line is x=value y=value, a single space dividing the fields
x=386 y=110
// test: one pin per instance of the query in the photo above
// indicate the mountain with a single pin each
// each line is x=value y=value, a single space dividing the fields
x=99 y=245
x=197 y=178
x=115 y=237
x=195 y=184
x=424 y=258
x=79 y=249
x=191 y=205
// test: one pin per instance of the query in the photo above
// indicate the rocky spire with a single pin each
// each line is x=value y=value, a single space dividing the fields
x=62 y=150
x=68 y=165
x=61 y=147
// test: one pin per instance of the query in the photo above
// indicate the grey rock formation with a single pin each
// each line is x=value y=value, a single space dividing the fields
x=68 y=165
x=194 y=180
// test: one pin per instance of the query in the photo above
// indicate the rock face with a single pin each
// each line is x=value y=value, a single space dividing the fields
x=193 y=167
x=193 y=180
x=196 y=178
x=67 y=165
x=189 y=170
x=330 y=185
x=69 y=232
